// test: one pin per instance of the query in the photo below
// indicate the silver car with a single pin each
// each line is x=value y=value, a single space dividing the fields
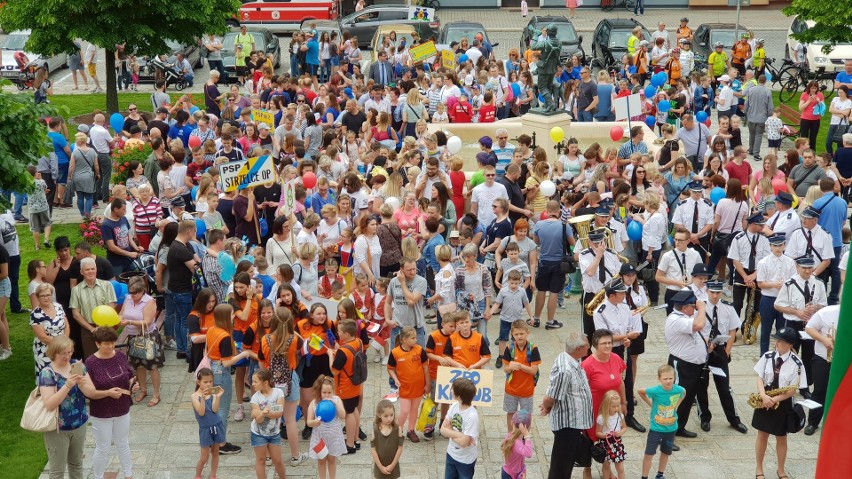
x=14 y=54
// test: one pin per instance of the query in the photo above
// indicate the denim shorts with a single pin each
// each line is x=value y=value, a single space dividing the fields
x=208 y=436
x=63 y=174
x=5 y=288
x=261 y=441
x=505 y=330
x=665 y=440
x=295 y=394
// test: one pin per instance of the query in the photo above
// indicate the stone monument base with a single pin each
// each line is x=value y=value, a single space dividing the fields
x=541 y=125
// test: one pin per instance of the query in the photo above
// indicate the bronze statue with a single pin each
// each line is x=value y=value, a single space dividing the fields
x=547 y=64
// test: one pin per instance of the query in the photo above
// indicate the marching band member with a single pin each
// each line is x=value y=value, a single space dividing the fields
x=654 y=234
x=615 y=315
x=635 y=299
x=695 y=214
x=598 y=265
x=811 y=239
x=785 y=220
x=700 y=276
x=722 y=320
x=747 y=249
x=801 y=297
x=776 y=369
x=604 y=219
x=822 y=327
x=772 y=272
x=675 y=266
x=687 y=351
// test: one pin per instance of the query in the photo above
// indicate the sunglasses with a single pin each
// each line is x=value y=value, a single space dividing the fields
x=131 y=109
x=490 y=176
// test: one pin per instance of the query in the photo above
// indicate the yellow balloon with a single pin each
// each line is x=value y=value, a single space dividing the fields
x=557 y=134
x=795 y=201
x=105 y=316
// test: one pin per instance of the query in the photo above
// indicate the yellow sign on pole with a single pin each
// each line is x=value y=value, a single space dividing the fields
x=262 y=116
x=239 y=175
x=423 y=52
x=482 y=378
x=448 y=58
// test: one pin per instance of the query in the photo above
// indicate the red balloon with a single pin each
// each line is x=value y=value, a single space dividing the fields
x=194 y=141
x=309 y=179
x=616 y=133
x=707 y=122
x=778 y=185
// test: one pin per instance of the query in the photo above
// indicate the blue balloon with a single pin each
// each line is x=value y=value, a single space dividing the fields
x=200 y=227
x=541 y=98
x=193 y=110
x=228 y=266
x=298 y=413
x=650 y=121
x=736 y=85
x=664 y=78
x=326 y=410
x=263 y=226
x=716 y=194
x=116 y=121
x=120 y=291
x=195 y=193
x=634 y=231
x=701 y=116
x=656 y=80
x=462 y=58
x=516 y=90
x=650 y=91
x=664 y=106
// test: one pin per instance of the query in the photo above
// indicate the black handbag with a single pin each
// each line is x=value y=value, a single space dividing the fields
x=724 y=239
x=599 y=453
x=795 y=418
x=842 y=129
x=568 y=265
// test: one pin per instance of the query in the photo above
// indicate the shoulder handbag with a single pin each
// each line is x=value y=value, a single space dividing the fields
x=842 y=127
x=36 y=417
x=567 y=266
x=725 y=239
x=143 y=347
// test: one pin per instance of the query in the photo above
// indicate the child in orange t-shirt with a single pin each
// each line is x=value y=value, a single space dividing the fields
x=255 y=332
x=343 y=364
x=245 y=303
x=465 y=346
x=520 y=362
x=435 y=352
x=408 y=367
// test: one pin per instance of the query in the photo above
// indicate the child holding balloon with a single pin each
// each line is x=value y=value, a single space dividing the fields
x=324 y=415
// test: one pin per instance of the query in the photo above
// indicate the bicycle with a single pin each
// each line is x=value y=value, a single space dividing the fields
x=800 y=77
x=609 y=5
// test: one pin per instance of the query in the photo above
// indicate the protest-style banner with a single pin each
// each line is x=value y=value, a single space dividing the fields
x=239 y=175
x=262 y=116
x=482 y=378
x=422 y=52
x=448 y=58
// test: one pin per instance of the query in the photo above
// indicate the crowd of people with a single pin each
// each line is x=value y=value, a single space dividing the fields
x=373 y=233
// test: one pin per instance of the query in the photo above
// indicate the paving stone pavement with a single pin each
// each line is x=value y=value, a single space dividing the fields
x=164 y=439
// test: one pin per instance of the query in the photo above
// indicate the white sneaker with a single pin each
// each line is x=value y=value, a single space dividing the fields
x=239 y=415
x=296 y=461
x=5 y=354
x=384 y=359
x=171 y=344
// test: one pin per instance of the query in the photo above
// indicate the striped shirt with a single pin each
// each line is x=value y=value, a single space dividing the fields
x=145 y=217
x=569 y=387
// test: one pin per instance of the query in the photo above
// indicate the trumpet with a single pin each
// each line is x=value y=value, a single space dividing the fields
x=641 y=309
x=829 y=352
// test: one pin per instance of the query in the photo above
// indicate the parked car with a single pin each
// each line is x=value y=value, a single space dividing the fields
x=565 y=33
x=609 y=42
x=321 y=27
x=403 y=33
x=707 y=34
x=832 y=61
x=15 y=57
x=191 y=52
x=455 y=31
x=363 y=24
x=264 y=40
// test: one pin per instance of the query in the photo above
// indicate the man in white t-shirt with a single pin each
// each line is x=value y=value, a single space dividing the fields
x=91 y=60
x=483 y=196
x=474 y=53
x=661 y=32
x=725 y=100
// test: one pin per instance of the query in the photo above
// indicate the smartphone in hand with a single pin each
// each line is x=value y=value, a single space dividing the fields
x=77 y=368
x=215 y=390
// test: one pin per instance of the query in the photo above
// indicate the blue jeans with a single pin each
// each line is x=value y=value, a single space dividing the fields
x=220 y=67
x=583 y=115
x=294 y=65
x=222 y=377
x=20 y=199
x=84 y=202
x=458 y=470
x=14 y=274
x=833 y=272
x=768 y=317
x=639 y=7
x=609 y=117
x=326 y=70
x=178 y=307
x=190 y=79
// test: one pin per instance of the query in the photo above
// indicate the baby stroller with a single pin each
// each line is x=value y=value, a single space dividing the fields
x=145 y=267
x=27 y=77
x=168 y=73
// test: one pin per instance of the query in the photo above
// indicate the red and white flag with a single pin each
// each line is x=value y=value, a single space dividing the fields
x=320 y=450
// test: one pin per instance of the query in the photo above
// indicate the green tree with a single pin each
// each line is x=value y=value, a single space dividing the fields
x=142 y=25
x=23 y=138
x=831 y=22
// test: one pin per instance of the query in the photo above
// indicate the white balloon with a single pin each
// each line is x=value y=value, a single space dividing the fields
x=548 y=188
x=454 y=144
x=393 y=202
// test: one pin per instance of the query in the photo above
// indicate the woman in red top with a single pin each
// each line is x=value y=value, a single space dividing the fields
x=459 y=182
x=245 y=304
x=200 y=319
x=604 y=370
x=316 y=360
x=809 y=124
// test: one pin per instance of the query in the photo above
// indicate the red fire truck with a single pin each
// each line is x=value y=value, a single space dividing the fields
x=284 y=15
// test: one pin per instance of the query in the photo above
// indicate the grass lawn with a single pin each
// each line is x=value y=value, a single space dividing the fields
x=24 y=455
x=823 y=126
x=87 y=103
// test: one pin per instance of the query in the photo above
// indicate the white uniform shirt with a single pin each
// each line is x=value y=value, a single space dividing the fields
x=791 y=373
x=824 y=321
x=685 y=211
x=593 y=284
x=616 y=318
x=791 y=297
x=678 y=271
x=784 y=222
x=682 y=341
x=619 y=234
x=726 y=316
x=741 y=247
x=821 y=242
x=700 y=293
x=775 y=269
x=640 y=298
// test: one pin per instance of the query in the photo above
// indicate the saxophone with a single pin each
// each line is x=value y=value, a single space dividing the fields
x=598 y=298
x=757 y=403
x=830 y=334
x=752 y=318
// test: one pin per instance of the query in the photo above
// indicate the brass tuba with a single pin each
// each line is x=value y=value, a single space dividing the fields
x=596 y=301
x=582 y=224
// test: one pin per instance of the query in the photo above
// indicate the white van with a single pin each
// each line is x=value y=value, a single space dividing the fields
x=832 y=61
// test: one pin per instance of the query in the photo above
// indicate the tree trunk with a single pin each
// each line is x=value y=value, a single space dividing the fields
x=111 y=88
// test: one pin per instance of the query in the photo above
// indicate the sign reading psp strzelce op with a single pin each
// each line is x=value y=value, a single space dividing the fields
x=482 y=378
x=239 y=175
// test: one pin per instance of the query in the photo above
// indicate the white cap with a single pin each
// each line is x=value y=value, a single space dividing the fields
x=725 y=78
x=468 y=80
